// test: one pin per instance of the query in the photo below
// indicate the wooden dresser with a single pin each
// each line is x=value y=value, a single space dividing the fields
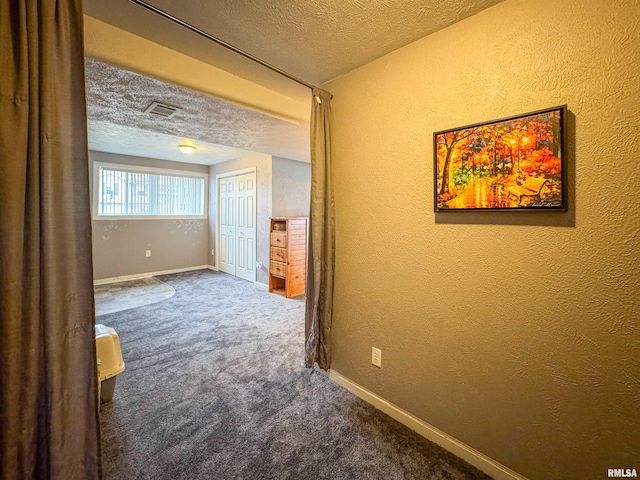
x=288 y=257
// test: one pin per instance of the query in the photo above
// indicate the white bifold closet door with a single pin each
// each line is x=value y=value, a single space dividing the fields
x=237 y=201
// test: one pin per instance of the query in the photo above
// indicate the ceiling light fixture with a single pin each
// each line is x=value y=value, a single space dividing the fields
x=188 y=149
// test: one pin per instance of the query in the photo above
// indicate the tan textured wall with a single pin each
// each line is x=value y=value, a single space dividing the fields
x=516 y=333
x=119 y=245
x=262 y=162
x=291 y=188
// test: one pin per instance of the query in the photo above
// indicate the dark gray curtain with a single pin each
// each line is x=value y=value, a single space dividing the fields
x=320 y=273
x=48 y=384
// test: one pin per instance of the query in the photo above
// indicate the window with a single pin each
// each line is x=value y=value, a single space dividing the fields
x=146 y=192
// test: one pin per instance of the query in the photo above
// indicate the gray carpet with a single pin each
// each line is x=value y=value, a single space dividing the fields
x=215 y=388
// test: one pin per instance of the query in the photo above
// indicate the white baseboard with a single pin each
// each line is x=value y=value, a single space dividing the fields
x=211 y=267
x=138 y=276
x=470 y=455
x=261 y=285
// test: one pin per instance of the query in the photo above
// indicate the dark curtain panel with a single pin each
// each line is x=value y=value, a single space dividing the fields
x=48 y=384
x=320 y=273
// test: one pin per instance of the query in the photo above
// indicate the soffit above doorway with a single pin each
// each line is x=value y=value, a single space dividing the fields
x=116 y=104
x=315 y=40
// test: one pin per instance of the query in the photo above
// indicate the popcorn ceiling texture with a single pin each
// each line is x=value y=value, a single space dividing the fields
x=516 y=333
x=105 y=136
x=330 y=37
x=116 y=100
x=314 y=40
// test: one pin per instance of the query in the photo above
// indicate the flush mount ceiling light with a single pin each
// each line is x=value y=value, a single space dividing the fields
x=188 y=149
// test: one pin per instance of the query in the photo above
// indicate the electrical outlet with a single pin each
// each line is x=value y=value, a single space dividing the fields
x=212 y=254
x=376 y=357
x=148 y=253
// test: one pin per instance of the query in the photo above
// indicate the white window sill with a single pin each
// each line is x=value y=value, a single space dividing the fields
x=150 y=217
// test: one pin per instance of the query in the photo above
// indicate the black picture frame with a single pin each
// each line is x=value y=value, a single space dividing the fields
x=516 y=163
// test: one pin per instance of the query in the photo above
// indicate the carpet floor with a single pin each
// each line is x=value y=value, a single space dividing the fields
x=215 y=388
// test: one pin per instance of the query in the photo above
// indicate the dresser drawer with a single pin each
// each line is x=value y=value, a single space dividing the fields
x=278 y=239
x=278 y=254
x=278 y=269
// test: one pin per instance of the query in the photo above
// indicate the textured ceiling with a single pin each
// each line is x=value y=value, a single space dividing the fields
x=124 y=140
x=314 y=40
x=117 y=99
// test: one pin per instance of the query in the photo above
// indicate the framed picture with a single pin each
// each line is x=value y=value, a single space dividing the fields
x=516 y=163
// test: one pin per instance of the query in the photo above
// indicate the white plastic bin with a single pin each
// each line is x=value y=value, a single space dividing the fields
x=110 y=361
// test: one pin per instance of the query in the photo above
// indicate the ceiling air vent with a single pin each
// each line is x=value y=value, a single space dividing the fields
x=162 y=110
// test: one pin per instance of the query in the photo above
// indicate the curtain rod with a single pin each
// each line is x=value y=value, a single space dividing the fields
x=222 y=43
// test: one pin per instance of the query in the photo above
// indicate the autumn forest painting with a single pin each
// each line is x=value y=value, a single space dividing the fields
x=515 y=163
